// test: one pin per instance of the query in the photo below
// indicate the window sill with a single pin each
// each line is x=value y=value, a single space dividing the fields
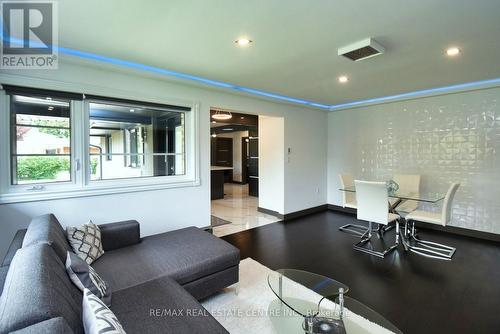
x=92 y=190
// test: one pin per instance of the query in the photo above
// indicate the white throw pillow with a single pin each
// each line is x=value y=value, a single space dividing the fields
x=86 y=241
x=85 y=277
x=97 y=317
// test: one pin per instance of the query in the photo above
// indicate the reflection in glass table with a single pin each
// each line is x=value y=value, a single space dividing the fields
x=311 y=303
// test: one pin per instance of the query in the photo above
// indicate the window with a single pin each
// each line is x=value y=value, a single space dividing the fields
x=132 y=141
x=40 y=140
x=59 y=145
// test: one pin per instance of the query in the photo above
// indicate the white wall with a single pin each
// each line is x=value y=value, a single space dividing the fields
x=158 y=211
x=306 y=137
x=271 y=163
x=237 y=162
x=447 y=138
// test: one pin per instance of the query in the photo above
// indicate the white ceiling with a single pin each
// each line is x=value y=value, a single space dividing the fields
x=295 y=42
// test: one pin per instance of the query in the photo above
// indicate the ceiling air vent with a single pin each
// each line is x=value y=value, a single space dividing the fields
x=364 y=49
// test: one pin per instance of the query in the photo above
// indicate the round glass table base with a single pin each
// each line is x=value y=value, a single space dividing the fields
x=285 y=321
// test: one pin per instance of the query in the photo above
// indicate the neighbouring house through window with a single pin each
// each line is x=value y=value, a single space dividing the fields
x=130 y=141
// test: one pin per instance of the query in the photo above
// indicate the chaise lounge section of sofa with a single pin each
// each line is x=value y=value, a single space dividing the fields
x=156 y=281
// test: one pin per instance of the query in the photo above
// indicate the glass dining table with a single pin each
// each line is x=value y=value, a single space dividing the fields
x=428 y=197
x=394 y=206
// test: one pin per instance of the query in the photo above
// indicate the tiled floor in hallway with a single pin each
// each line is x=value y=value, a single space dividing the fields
x=240 y=209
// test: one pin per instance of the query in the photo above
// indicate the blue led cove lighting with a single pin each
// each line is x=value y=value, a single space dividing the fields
x=279 y=97
x=417 y=93
x=175 y=74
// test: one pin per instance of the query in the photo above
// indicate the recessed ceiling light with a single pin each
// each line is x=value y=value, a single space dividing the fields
x=50 y=108
x=228 y=129
x=214 y=122
x=243 y=41
x=132 y=110
x=453 y=51
x=343 y=79
x=214 y=135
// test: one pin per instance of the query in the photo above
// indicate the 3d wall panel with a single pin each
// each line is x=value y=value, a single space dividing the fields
x=447 y=138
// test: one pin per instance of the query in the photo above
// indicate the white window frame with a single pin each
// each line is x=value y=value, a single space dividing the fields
x=80 y=184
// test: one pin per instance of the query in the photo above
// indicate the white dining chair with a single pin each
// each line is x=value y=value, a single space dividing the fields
x=428 y=248
x=349 y=201
x=348 y=197
x=372 y=199
x=408 y=184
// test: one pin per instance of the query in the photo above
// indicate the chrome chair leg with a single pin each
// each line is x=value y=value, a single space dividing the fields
x=388 y=227
x=366 y=238
x=355 y=229
x=392 y=209
x=403 y=234
x=428 y=248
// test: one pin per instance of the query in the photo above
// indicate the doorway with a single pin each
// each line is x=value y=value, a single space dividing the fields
x=234 y=157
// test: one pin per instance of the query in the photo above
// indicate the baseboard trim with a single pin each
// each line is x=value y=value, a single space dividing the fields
x=305 y=212
x=448 y=229
x=271 y=212
x=461 y=231
x=341 y=209
x=296 y=214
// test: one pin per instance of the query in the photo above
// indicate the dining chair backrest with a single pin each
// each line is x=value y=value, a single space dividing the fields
x=372 y=199
x=346 y=181
x=408 y=183
x=447 y=204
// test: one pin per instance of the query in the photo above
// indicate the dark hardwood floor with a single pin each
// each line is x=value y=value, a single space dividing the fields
x=419 y=295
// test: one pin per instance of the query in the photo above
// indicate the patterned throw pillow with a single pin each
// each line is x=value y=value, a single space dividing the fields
x=86 y=241
x=97 y=317
x=85 y=277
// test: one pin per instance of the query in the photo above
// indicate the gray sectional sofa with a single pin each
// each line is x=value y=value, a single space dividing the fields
x=156 y=281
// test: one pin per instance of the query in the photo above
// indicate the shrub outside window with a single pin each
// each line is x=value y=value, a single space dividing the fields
x=41 y=140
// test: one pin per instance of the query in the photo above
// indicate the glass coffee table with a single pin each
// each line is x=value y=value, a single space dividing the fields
x=311 y=303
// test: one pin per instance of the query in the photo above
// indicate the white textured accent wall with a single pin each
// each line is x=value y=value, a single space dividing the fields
x=447 y=138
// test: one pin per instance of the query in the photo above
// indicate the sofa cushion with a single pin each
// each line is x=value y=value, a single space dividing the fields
x=97 y=317
x=162 y=306
x=16 y=243
x=208 y=285
x=52 y=326
x=86 y=241
x=47 y=229
x=38 y=288
x=120 y=234
x=85 y=277
x=185 y=255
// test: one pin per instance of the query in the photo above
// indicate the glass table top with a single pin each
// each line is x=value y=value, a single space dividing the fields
x=429 y=197
x=314 y=299
x=286 y=284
